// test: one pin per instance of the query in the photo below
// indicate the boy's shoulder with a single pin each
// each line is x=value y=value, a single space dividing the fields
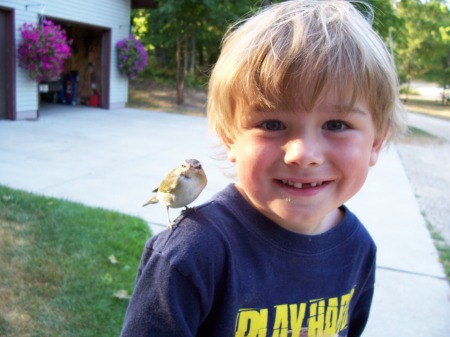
x=200 y=226
x=228 y=224
x=201 y=238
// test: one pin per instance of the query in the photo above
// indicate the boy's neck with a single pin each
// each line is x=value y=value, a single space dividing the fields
x=330 y=221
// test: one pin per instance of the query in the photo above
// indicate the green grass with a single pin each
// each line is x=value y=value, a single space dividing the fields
x=404 y=90
x=442 y=247
x=444 y=253
x=434 y=108
x=61 y=265
x=417 y=136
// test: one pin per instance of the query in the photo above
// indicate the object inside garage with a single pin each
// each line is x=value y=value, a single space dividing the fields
x=81 y=81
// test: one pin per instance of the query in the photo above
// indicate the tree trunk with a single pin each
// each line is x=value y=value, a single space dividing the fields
x=186 y=58
x=193 y=52
x=161 y=57
x=407 y=91
x=201 y=58
x=180 y=77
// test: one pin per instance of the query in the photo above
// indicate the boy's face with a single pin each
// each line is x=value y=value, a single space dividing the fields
x=299 y=168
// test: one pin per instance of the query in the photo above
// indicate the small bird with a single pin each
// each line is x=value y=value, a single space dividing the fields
x=180 y=187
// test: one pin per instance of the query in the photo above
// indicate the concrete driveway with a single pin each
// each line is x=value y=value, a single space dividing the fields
x=113 y=159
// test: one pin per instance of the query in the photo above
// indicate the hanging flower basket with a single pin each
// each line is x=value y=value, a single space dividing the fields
x=43 y=50
x=131 y=56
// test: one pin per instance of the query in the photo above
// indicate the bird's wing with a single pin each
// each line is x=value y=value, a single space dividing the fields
x=170 y=183
x=153 y=200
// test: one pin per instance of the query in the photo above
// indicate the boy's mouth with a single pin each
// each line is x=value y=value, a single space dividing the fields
x=299 y=185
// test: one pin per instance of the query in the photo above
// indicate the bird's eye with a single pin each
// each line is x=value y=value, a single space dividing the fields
x=183 y=165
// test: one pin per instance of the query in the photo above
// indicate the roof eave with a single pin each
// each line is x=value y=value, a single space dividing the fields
x=152 y=4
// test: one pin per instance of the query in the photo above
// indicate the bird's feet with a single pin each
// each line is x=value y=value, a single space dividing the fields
x=187 y=209
x=172 y=225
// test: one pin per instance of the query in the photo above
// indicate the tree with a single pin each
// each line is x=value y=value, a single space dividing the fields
x=425 y=52
x=184 y=36
x=184 y=33
x=384 y=17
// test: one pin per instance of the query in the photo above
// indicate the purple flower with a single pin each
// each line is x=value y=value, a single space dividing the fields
x=132 y=56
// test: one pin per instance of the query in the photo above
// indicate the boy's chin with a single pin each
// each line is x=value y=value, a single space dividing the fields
x=308 y=221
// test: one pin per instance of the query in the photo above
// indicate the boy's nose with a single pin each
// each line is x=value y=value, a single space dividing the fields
x=303 y=153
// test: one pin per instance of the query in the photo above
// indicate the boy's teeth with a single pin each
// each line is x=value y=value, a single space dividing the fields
x=300 y=185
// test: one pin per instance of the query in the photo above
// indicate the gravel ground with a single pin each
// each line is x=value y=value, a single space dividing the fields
x=426 y=160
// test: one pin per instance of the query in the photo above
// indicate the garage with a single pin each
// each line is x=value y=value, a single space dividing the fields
x=2 y=65
x=7 y=64
x=85 y=79
x=90 y=76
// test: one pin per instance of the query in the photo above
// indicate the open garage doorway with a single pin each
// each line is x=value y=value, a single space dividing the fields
x=86 y=76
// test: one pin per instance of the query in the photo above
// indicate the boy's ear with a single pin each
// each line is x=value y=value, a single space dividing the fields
x=376 y=148
x=231 y=155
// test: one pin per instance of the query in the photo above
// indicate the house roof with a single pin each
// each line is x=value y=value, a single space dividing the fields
x=144 y=4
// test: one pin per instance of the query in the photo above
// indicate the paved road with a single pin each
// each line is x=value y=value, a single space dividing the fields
x=427 y=164
x=436 y=126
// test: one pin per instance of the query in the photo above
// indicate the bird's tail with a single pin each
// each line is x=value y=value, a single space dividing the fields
x=153 y=200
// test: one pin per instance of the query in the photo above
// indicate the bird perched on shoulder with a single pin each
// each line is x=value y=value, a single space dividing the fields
x=180 y=187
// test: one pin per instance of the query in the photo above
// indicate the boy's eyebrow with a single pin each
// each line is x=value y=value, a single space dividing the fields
x=350 y=109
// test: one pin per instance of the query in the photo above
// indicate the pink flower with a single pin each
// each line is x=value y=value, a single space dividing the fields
x=43 y=50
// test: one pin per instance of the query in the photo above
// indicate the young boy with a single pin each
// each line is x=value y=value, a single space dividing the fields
x=303 y=95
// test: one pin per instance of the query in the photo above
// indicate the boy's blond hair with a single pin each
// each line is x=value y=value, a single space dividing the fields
x=292 y=54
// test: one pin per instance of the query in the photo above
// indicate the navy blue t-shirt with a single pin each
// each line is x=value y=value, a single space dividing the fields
x=226 y=270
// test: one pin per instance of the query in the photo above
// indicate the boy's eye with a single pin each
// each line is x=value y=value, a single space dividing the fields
x=335 y=125
x=272 y=125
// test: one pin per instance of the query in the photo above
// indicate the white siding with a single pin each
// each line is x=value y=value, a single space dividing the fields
x=26 y=89
x=112 y=14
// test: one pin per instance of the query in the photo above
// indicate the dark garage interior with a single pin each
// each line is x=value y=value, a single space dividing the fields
x=81 y=81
